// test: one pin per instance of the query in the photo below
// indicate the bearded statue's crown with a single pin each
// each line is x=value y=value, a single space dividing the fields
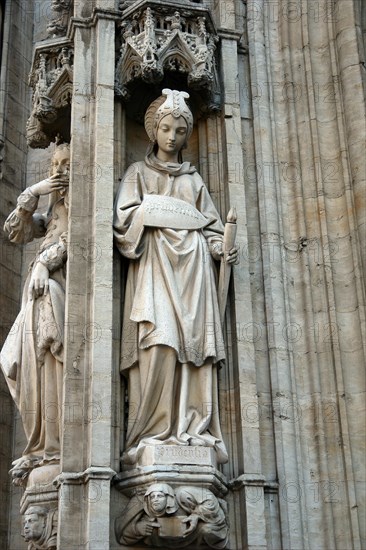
x=172 y=102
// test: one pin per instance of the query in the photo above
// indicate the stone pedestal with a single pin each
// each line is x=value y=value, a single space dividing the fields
x=175 y=498
x=178 y=466
x=39 y=508
x=41 y=487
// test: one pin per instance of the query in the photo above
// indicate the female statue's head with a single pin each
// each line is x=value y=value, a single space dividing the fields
x=169 y=122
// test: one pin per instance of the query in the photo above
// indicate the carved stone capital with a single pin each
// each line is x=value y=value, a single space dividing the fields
x=39 y=508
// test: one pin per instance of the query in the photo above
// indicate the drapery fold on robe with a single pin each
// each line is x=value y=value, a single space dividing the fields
x=171 y=290
x=172 y=335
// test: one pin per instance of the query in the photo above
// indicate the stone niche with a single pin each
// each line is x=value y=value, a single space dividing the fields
x=173 y=496
x=51 y=79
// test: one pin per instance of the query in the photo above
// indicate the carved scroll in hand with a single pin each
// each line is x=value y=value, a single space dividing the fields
x=162 y=211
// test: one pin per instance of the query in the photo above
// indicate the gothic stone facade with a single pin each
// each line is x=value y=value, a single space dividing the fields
x=277 y=92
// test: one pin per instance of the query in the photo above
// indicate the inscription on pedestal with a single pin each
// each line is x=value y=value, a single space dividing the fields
x=175 y=454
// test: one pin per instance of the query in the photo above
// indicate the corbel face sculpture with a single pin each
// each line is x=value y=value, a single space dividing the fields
x=164 y=519
x=167 y=225
x=40 y=528
x=32 y=356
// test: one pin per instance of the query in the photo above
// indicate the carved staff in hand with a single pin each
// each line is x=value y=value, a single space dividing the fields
x=229 y=256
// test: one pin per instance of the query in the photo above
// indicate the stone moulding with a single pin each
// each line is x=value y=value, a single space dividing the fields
x=51 y=79
x=165 y=37
x=201 y=476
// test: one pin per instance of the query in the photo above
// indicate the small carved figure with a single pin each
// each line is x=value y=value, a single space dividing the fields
x=40 y=528
x=207 y=520
x=140 y=520
x=194 y=516
x=167 y=225
x=32 y=356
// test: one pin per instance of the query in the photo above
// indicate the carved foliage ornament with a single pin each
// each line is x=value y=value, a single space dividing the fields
x=166 y=518
x=160 y=38
x=51 y=79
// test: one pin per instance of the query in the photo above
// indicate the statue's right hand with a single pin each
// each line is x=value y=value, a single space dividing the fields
x=53 y=183
x=145 y=528
x=39 y=281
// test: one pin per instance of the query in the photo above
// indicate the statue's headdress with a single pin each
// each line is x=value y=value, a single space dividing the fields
x=172 y=102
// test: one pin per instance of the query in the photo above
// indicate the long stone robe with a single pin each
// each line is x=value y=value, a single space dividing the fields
x=172 y=336
x=32 y=356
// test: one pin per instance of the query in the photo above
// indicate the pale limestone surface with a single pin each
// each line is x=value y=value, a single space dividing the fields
x=32 y=356
x=167 y=352
x=166 y=518
x=288 y=151
x=168 y=346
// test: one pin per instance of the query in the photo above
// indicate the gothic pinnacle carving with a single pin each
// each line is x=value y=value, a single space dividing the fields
x=158 y=38
x=51 y=79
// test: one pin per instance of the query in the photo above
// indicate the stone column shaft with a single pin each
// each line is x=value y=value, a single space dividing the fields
x=84 y=514
x=248 y=447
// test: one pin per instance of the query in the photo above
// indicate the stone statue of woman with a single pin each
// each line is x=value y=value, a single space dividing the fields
x=167 y=225
x=32 y=356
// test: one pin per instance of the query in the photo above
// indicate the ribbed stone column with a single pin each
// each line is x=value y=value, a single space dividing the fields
x=307 y=141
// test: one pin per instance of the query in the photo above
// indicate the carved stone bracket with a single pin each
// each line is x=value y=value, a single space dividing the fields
x=51 y=78
x=171 y=37
x=40 y=527
x=62 y=12
x=175 y=499
x=165 y=515
x=39 y=508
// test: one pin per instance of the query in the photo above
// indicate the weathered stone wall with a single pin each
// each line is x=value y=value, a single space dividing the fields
x=14 y=108
x=309 y=130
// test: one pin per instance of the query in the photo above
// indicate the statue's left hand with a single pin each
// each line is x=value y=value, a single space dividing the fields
x=218 y=252
x=233 y=256
x=192 y=520
x=39 y=281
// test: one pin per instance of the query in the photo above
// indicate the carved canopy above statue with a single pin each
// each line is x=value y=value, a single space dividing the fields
x=171 y=37
x=51 y=78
